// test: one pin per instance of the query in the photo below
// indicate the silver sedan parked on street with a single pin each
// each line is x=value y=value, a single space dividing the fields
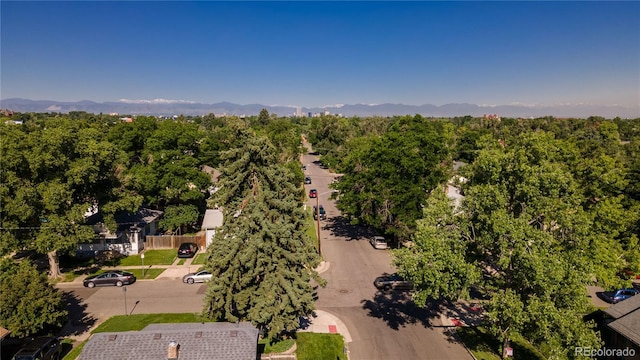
x=197 y=277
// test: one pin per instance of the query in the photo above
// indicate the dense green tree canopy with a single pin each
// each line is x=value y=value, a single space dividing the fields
x=539 y=228
x=52 y=175
x=30 y=305
x=386 y=179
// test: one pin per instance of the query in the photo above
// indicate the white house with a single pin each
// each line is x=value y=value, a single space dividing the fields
x=128 y=238
x=212 y=220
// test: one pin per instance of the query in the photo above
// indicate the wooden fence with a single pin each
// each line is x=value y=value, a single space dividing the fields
x=174 y=241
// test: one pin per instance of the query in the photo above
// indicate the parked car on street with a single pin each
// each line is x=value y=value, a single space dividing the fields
x=307 y=180
x=197 y=277
x=187 y=250
x=323 y=213
x=313 y=193
x=378 y=242
x=615 y=297
x=41 y=348
x=392 y=282
x=115 y=277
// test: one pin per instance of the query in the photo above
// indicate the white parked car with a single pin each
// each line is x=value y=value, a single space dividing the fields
x=378 y=242
x=197 y=277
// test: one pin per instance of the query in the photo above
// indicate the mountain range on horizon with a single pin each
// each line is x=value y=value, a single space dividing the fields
x=161 y=107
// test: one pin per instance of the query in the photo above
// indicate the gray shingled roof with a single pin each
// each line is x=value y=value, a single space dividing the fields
x=623 y=307
x=627 y=315
x=197 y=341
x=628 y=326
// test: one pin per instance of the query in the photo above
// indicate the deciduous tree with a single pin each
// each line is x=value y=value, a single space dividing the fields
x=30 y=305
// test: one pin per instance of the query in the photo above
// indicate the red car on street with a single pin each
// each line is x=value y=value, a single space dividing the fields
x=313 y=193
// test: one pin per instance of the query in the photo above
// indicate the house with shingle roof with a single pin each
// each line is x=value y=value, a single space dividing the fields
x=184 y=341
x=623 y=321
x=128 y=238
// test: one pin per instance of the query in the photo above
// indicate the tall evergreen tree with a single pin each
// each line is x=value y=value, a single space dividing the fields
x=261 y=259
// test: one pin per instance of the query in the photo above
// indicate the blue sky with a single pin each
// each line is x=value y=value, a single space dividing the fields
x=323 y=53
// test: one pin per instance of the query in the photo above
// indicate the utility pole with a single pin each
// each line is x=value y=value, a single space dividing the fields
x=318 y=224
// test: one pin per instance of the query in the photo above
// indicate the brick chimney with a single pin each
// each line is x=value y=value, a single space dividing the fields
x=173 y=350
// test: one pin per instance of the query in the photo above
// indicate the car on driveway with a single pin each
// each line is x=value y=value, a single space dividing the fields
x=313 y=193
x=392 y=282
x=197 y=277
x=323 y=213
x=40 y=348
x=615 y=297
x=115 y=277
x=307 y=180
x=187 y=250
x=378 y=242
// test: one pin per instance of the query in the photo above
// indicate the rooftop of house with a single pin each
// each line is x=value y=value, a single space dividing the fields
x=627 y=318
x=126 y=220
x=210 y=341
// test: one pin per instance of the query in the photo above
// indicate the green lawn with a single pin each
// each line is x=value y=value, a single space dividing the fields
x=148 y=273
x=314 y=346
x=140 y=321
x=486 y=347
x=181 y=261
x=277 y=347
x=74 y=353
x=312 y=229
x=69 y=276
x=199 y=259
x=151 y=257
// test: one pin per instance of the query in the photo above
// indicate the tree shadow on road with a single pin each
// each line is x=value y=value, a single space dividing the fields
x=340 y=226
x=79 y=321
x=398 y=310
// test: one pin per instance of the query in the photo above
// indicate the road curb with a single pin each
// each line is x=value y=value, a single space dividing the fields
x=324 y=266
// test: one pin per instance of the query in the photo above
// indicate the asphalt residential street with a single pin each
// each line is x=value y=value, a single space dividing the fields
x=381 y=326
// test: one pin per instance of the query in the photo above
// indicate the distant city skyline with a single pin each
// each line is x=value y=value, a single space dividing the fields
x=315 y=54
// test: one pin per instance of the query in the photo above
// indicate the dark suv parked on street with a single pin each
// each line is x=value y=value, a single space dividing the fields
x=42 y=348
x=323 y=213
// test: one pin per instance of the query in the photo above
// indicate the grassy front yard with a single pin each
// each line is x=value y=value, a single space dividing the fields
x=312 y=229
x=151 y=257
x=140 y=321
x=314 y=346
x=485 y=347
x=199 y=259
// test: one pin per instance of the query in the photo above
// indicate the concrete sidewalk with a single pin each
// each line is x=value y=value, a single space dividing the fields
x=325 y=322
